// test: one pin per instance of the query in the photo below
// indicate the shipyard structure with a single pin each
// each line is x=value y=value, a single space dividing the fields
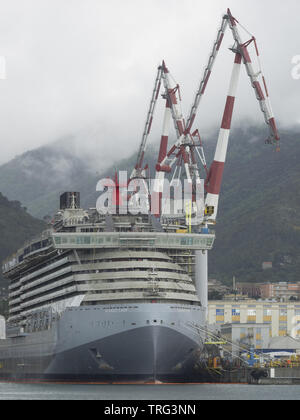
x=122 y=295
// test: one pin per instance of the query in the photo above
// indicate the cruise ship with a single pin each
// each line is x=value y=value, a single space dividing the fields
x=104 y=297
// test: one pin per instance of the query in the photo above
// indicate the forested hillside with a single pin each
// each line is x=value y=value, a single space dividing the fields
x=16 y=227
x=258 y=219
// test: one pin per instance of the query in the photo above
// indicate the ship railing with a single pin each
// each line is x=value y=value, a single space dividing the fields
x=154 y=294
x=14 y=259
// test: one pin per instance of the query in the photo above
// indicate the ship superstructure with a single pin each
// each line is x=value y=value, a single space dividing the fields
x=94 y=259
x=128 y=277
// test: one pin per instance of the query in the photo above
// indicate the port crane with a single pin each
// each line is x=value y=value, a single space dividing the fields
x=188 y=146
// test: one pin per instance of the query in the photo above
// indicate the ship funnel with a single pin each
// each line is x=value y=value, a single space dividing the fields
x=70 y=200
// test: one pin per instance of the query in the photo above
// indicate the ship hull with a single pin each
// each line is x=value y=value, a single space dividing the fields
x=144 y=342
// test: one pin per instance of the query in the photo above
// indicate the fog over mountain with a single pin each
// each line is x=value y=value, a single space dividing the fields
x=85 y=69
x=258 y=217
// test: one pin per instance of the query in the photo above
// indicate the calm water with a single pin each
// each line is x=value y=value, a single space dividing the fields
x=13 y=391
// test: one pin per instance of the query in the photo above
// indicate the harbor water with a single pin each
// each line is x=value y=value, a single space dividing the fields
x=174 y=392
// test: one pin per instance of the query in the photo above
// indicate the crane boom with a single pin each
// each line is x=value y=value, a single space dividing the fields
x=137 y=171
x=263 y=99
x=207 y=73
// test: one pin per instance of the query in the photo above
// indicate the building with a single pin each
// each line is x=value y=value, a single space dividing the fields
x=281 y=318
x=252 y=290
x=256 y=336
x=217 y=287
x=281 y=291
x=284 y=344
x=266 y=265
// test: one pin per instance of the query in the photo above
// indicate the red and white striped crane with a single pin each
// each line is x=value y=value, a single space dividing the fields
x=189 y=145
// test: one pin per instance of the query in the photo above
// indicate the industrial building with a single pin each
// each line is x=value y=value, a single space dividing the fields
x=280 y=290
x=281 y=318
x=256 y=336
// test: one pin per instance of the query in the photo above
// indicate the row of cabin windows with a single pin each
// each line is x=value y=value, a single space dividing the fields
x=99 y=292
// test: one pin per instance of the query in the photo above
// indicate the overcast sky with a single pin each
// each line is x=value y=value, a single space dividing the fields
x=88 y=66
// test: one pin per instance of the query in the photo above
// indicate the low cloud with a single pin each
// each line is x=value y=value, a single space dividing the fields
x=87 y=68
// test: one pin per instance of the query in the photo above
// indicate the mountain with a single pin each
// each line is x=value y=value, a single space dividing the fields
x=258 y=218
x=37 y=177
x=16 y=227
